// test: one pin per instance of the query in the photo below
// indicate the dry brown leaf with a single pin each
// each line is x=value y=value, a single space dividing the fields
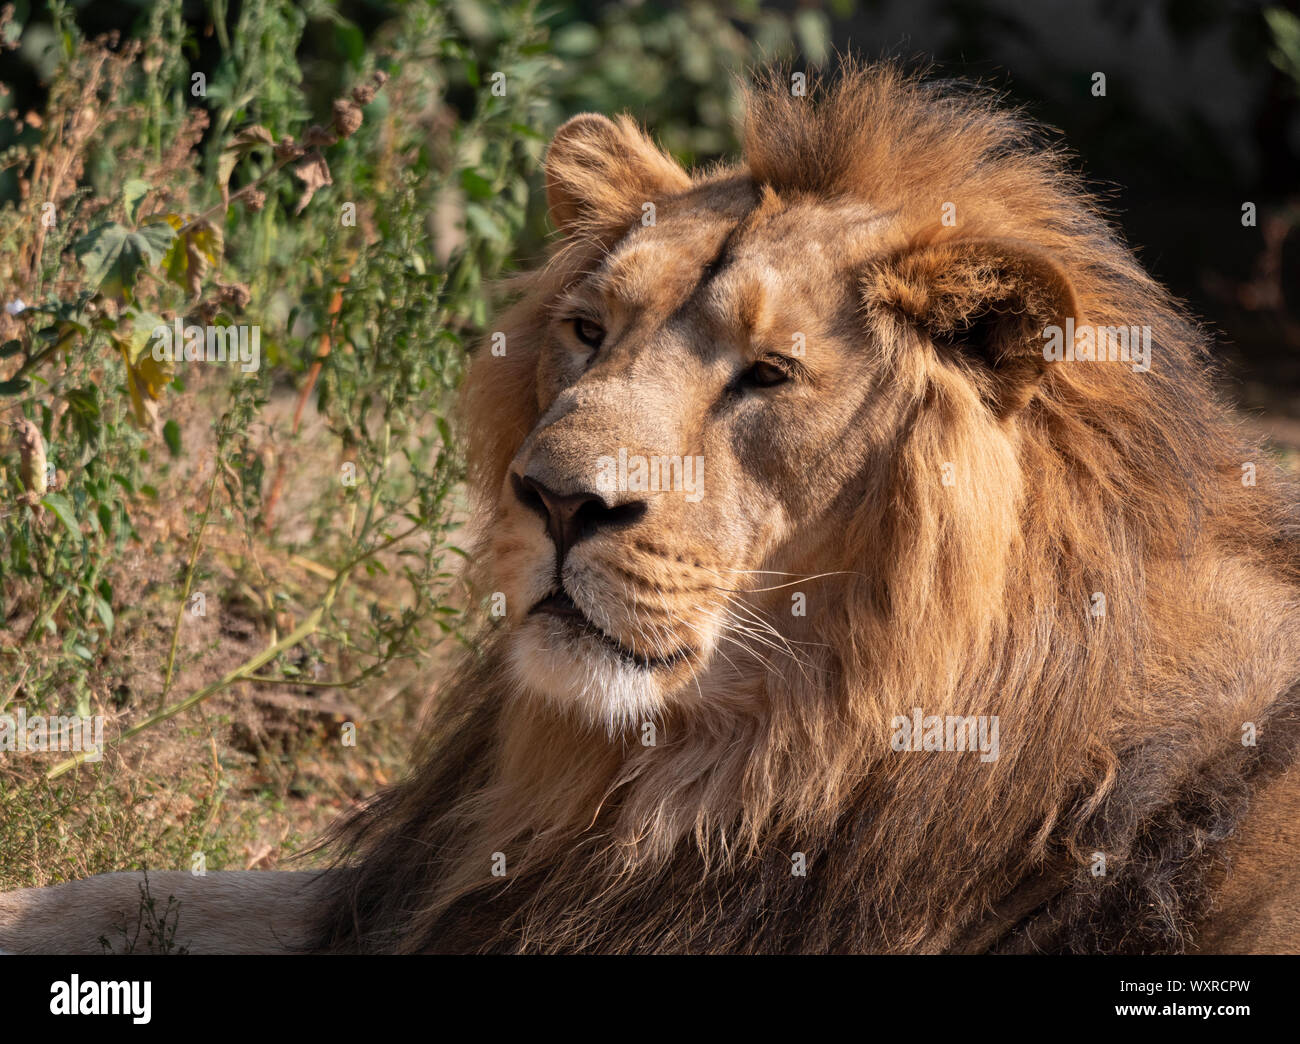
x=318 y=135
x=314 y=173
x=254 y=135
x=347 y=117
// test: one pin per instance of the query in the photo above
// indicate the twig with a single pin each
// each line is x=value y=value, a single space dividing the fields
x=249 y=667
x=322 y=353
x=189 y=579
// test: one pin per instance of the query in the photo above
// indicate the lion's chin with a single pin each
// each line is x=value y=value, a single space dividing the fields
x=579 y=674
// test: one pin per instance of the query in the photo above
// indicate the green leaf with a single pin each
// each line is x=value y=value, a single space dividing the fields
x=1286 y=33
x=157 y=237
x=133 y=193
x=172 y=436
x=15 y=387
x=100 y=252
x=813 y=31
x=105 y=613
x=480 y=221
x=525 y=131
x=62 y=509
x=475 y=184
x=577 y=40
x=84 y=401
x=10 y=348
x=112 y=255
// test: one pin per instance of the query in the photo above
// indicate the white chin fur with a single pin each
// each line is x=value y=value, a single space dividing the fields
x=582 y=676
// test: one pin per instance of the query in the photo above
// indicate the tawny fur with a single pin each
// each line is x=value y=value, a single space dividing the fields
x=237 y=911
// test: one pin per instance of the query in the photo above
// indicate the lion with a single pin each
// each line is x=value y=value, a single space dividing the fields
x=860 y=583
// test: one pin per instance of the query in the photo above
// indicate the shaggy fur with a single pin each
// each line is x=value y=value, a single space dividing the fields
x=1120 y=734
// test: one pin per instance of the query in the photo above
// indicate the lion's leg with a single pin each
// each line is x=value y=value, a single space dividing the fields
x=243 y=911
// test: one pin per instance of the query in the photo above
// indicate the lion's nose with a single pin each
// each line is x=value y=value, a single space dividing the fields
x=571 y=517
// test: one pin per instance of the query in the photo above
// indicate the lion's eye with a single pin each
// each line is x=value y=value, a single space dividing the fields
x=765 y=373
x=589 y=333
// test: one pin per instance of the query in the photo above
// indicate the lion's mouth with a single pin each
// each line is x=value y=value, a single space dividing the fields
x=558 y=604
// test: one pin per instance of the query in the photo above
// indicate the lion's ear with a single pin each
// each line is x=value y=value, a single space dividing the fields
x=990 y=299
x=599 y=175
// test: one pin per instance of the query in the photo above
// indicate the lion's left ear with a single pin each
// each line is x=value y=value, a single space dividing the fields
x=600 y=174
x=988 y=298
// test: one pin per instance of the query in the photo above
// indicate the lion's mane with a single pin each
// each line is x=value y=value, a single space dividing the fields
x=1120 y=733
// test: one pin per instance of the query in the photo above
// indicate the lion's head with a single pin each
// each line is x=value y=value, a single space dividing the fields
x=772 y=456
x=715 y=389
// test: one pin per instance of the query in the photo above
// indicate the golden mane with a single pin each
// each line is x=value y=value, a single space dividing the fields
x=1120 y=732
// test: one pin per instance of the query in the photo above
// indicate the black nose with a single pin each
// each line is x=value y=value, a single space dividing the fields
x=571 y=517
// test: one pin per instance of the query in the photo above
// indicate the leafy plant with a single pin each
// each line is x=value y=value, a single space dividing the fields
x=177 y=532
x=150 y=206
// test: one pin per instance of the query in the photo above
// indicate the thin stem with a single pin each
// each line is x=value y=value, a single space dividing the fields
x=189 y=576
x=249 y=667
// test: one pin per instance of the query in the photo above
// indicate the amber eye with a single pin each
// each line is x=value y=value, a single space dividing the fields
x=589 y=333
x=765 y=373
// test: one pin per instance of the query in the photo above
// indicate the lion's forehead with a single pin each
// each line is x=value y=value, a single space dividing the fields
x=747 y=271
